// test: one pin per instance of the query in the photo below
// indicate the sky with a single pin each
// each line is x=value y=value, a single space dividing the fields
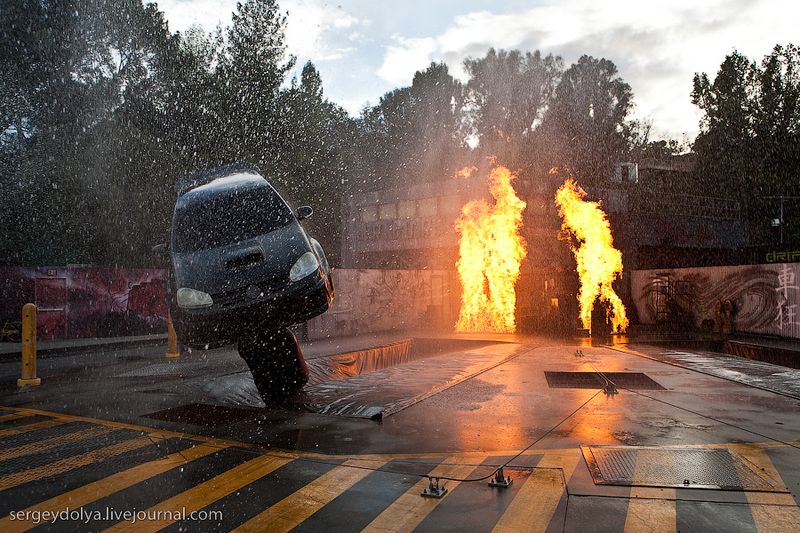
x=364 y=48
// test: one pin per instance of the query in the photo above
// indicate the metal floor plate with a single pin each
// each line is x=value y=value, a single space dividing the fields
x=593 y=380
x=698 y=468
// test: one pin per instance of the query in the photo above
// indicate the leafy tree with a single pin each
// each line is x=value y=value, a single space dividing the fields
x=313 y=136
x=253 y=70
x=415 y=133
x=724 y=143
x=749 y=142
x=585 y=127
x=508 y=93
x=76 y=65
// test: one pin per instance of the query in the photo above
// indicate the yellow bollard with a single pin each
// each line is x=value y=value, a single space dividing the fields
x=28 y=347
x=172 y=340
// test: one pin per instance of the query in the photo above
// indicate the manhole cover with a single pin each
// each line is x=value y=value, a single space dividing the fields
x=699 y=468
x=593 y=380
x=205 y=415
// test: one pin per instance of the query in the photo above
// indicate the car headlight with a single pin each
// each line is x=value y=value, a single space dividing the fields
x=193 y=299
x=305 y=266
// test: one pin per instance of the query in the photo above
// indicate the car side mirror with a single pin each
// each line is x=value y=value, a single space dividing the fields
x=161 y=249
x=304 y=212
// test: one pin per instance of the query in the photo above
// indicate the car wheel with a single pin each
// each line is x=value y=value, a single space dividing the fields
x=276 y=362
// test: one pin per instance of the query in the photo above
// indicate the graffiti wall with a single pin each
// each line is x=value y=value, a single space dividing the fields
x=385 y=300
x=112 y=302
x=79 y=302
x=765 y=297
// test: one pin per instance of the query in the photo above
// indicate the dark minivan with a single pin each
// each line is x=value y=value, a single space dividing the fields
x=243 y=270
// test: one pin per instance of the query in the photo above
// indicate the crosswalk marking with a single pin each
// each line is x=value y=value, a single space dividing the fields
x=533 y=507
x=649 y=508
x=537 y=500
x=774 y=512
x=12 y=416
x=40 y=446
x=294 y=509
x=405 y=513
x=31 y=427
x=206 y=493
x=103 y=487
x=71 y=463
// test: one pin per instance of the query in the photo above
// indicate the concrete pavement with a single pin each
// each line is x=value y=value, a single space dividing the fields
x=195 y=438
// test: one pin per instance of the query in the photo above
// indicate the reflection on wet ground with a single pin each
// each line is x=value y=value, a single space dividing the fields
x=463 y=407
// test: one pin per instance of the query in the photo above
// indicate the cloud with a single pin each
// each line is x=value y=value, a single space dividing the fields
x=314 y=28
x=206 y=13
x=657 y=46
x=405 y=58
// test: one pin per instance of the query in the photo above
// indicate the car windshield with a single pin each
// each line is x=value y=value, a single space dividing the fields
x=228 y=218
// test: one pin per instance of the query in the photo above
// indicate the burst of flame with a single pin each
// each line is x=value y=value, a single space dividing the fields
x=598 y=262
x=490 y=253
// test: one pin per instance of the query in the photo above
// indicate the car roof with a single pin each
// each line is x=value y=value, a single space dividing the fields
x=199 y=186
x=200 y=178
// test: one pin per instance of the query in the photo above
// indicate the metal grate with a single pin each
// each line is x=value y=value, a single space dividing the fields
x=593 y=380
x=698 y=468
x=205 y=415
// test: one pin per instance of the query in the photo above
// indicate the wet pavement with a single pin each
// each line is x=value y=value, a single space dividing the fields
x=129 y=429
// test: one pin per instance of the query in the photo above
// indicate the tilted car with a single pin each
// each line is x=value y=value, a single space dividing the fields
x=243 y=269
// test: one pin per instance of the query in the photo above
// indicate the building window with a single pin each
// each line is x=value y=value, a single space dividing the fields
x=426 y=207
x=406 y=209
x=387 y=211
x=368 y=213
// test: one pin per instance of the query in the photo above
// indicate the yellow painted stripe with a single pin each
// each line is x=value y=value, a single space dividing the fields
x=103 y=487
x=71 y=463
x=410 y=509
x=205 y=493
x=30 y=427
x=12 y=416
x=36 y=447
x=295 y=508
x=773 y=512
x=537 y=500
x=650 y=509
x=160 y=433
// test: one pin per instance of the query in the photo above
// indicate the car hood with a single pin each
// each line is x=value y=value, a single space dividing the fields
x=232 y=266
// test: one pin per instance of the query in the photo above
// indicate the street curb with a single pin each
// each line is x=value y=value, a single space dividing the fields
x=89 y=347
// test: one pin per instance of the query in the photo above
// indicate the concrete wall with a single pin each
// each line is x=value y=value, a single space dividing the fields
x=389 y=300
x=109 y=302
x=766 y=297
x=81 y=302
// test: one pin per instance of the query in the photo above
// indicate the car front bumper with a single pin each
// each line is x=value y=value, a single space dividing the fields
x=227 y=320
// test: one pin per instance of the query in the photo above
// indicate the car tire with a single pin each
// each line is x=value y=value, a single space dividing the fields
x=276 y=361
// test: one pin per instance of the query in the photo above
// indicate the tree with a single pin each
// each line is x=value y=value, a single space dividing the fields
x=253 y=70
x=724 y=148
x=748 y=147
x=585 y=127
x=508 y=93
x=313 y=136
x=77 y=67
x=415 y=133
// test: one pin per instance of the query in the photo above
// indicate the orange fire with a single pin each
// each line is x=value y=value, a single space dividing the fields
x=490 y=253
x=598 y=262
